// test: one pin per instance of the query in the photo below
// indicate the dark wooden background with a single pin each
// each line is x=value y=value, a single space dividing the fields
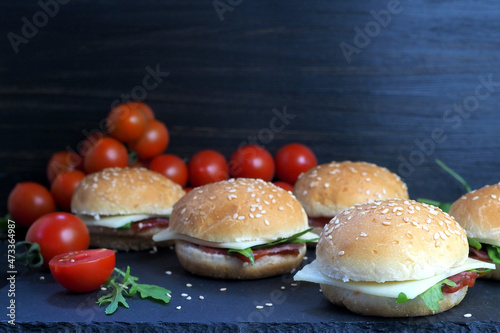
x=420 y=76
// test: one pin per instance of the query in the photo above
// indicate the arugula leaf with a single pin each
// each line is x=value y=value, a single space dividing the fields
x=245 y=252
x=129 y=287
x=493 y=253
x=445 y=206
x=431 y=296
x=126 y=226
x=474 y=243
x=294 y=239
x=115 y=297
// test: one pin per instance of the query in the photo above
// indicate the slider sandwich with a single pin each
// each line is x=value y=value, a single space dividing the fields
x=238 y=229
x=393 y=258
x=328 y=189
x=124 y=207
x=478 y=212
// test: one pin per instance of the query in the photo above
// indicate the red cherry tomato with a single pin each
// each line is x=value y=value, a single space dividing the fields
x=144 y=108
x=63 y=187
x=58 y=233
x=106 y=153
x=62 y=161
x=28 y=201
x=284 y=185
x=172 y=167
x=293 y=159
x=85 y=146
x=83 y=271
x=126 y=123
x=207 y=166
x=153 y=142
x=252 y=161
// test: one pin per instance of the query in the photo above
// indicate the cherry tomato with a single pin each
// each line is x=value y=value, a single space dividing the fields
x=126 y=123
x=146 y=110
x=63 y=187
x=83 y=271
x=207 y=166
x=172 y=167
x=85 y=146
x=106 y=153
x=293 y=159
x=57 y=233
x=153 y=142
x=62 y=161
x=284 y=185
x=252 y=161
x=28 y=201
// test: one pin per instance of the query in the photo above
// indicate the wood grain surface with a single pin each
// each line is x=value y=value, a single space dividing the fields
x=397 y=83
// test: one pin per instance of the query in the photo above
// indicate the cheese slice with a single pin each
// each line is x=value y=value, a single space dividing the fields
x=113 y=221
x=412 y=288
x=168 y=234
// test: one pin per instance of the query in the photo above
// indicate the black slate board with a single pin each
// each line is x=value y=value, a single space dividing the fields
x=43 y=305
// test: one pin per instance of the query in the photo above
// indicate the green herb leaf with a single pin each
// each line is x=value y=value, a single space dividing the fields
x=454 y=175
x=128 y=286
x=31 y=256
x=126 y=226
x=245 y=252
x=294 y=239
x=115 y=297
x=402 y=298
x=434 y=294
x=474 y=243
x=493 y=253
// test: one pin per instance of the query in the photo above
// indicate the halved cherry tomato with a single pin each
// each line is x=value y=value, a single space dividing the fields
x=83 y=271
x=284 y=185
x=172 y=167
x=126 y=123
x=58 y=233
x=28 y=201
x=293 y=159
x=62 y=161
x=252 y=161
x=153 y=142
x=63 y=187
x=207 y=166
x=106 y=153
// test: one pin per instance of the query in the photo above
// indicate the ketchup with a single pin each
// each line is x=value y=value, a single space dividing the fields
x=467 y=278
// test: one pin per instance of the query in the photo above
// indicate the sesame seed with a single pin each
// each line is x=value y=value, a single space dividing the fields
x=258 y=215
x=436 y=235
x=178 y=307
x=386 y=223
x=467 y=315
x=281 y=208
x=341 y=253
x=235 y=216
x=184 y=295
x=168 y=272
x=269 y=304
x=385 y=211
x=363 y=234
x=189 y=285
x=294 y=284
x=241 y=217
x=212 y=198
x=282 y=287
x=475 y=198
x=201 y=297
x=266 y=222
x=493 y=196
x=259 y=307
x=223 y=289
x=326 y=185
x=232 y=196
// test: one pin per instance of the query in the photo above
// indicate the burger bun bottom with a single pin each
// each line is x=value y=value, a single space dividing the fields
x=221 y=266
x=124 y=239
x=371 y=305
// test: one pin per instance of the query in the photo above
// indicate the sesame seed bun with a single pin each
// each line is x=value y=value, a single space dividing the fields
x=391 y=240
x=237 y=210
x=328 y=189
x=124 y=191
x=478 y=212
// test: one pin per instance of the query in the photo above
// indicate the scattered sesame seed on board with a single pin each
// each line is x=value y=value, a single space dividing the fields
x=259 y=307
x=201 y=297
x=223 y=289
x=178 y=307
